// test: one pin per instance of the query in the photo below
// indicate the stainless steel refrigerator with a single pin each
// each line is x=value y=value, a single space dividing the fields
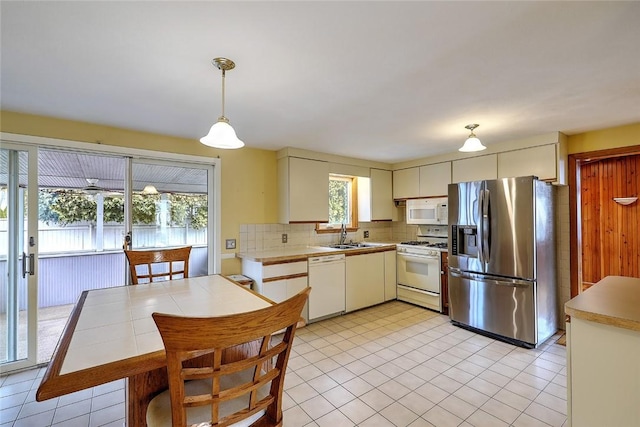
x=502 y=258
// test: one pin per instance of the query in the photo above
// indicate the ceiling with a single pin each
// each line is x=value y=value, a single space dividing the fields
x=59 y=169
x=385 y=81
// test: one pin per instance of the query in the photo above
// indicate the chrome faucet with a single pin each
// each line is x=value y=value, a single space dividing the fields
x=343 y=234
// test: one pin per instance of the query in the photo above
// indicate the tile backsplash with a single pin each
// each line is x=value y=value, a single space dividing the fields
x=262 y=237
x=258 y=237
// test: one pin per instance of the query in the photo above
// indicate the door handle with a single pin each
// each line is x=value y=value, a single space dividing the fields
x=486 y=227
x=479 y=243
x=502 y=281
x=32 y=266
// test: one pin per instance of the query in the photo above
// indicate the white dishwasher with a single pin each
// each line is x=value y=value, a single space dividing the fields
x=327 y=282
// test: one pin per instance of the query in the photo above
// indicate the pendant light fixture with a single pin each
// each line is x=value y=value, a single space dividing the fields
x=221 y=134
x=472 y=143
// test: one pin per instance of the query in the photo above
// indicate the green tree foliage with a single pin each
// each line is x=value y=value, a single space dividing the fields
x=69 y=206
x=189 y=209
x=338 y=201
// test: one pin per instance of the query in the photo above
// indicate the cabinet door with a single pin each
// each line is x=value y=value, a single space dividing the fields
x=381 y=195
x=365 y=280
x=293 y=287
x=434 y=179
x=444 y=281
x=276 y=290
x=406 y=183
x=475 y=169
x=537 y=161
x=390 y=283
x=304 y=190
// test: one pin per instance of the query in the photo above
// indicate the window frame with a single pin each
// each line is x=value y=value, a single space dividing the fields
x=353 y=201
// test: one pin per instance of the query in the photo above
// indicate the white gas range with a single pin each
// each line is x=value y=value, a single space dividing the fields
x=419 y=270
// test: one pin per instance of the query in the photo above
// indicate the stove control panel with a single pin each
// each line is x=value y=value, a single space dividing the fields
x=422 y=251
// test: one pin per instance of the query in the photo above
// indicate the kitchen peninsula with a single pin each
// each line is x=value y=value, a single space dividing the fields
x=603 y=344
x=369 y=277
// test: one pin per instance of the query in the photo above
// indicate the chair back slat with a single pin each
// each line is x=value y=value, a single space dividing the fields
x=150 y=265
x=256 y=378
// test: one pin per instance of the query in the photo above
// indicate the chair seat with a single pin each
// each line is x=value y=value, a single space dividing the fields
x=159 y=410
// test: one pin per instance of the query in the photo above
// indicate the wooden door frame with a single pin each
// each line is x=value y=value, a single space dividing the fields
x=575 y=239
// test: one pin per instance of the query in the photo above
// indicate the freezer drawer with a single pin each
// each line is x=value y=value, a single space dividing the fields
x=505 y=307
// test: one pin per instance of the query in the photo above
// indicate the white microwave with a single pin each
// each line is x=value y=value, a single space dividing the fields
x=428 y=211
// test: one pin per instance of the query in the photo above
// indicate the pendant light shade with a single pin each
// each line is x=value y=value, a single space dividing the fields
x=472 y=143
x=221 y=134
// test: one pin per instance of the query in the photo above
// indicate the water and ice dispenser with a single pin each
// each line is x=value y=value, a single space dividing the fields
x=464 y=240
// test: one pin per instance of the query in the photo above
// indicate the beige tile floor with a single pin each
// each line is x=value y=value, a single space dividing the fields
x=390 y=365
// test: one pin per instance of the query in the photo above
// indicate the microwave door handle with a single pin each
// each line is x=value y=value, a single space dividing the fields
x=486 y=226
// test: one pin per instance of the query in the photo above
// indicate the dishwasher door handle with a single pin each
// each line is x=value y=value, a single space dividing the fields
x=326 y=259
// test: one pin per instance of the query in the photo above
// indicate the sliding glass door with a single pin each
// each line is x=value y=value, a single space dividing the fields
x=18 y=256
x=65 y=215
x=81 y=233
x=170 y=208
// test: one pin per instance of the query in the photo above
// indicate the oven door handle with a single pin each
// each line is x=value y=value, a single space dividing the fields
x=408 y=288
x=419 y=257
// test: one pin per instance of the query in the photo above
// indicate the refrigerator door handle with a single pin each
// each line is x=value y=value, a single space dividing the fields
x=503 y=281
x=480 y=228
x=486 y=227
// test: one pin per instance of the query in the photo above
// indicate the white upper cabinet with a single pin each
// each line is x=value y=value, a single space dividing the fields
x=375 y=196
x=406 y=183
x=538 y=161
x=434 y=179
x=475 y=168
x=382 y=205
x=303 y=187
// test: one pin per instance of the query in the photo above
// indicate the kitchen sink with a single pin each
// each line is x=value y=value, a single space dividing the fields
x=352 y=245
x=338 y=246
x=363 y=245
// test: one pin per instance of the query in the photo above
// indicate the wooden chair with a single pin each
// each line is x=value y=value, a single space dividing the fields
x=168 y=263
x=246 y=391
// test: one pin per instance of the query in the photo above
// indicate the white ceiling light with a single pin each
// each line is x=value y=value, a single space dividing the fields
x=150 y=189
x=472 y=143
x=93 y=188
x=221 y=134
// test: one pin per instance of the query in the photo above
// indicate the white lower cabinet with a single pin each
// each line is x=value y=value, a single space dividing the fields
x=390 y=281
x=603 y=374
x=278 y=281
x=365 y=280
x=280 y=290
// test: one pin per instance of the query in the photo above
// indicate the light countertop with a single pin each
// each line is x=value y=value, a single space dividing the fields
x=303 y=252
x=111 y=334
x=614 y=300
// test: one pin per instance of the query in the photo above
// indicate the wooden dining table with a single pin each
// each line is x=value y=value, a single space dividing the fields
x=111 y=335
